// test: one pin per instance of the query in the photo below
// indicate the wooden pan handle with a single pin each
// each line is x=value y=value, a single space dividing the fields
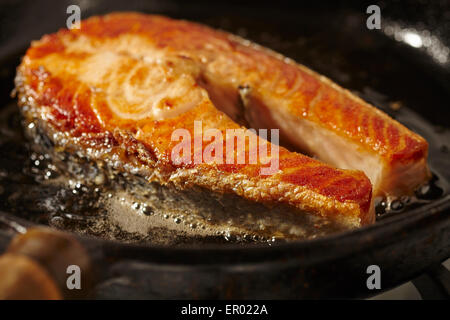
x=22 y=278
x=53 y=252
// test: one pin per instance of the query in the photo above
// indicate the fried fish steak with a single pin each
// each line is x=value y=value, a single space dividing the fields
x=261 y=89
x=267 y=90
x=131 y=80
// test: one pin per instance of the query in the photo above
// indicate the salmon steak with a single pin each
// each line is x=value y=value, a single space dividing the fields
x=126 y=88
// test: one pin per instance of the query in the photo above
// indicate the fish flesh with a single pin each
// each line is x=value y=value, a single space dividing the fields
x=119 y=87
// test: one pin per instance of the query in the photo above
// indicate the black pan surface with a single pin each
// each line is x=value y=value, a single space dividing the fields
x=410 y=83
